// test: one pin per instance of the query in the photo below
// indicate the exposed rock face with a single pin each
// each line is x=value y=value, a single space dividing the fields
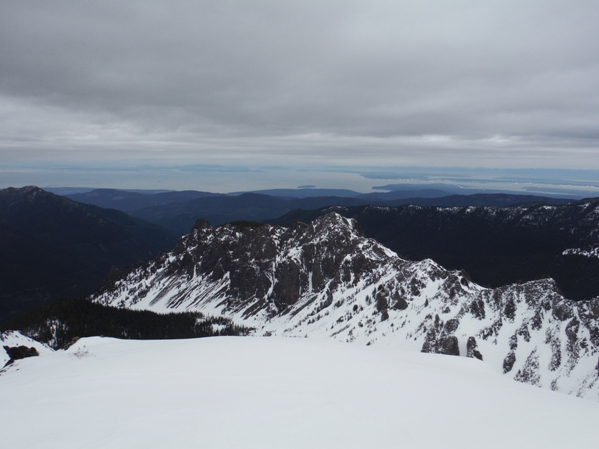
x=440 y=339
x=20 y=352
x=326 y=279
x=472 y=349
x=258 y=269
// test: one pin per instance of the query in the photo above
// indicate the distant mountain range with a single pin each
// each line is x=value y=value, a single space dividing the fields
x=128 y=201
x=306 y=192
x=178 y=211
x=54 y=247
x=181 y=217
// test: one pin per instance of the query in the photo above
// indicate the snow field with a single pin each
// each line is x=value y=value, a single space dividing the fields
x=235 y=392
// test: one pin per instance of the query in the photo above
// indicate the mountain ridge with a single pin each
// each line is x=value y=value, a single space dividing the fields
x=326 y=280
x=496 y=246
x=128 y=201
x=54 y=247
x=218 y=210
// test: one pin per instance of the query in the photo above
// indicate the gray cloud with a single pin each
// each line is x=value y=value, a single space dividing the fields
x=513 y=83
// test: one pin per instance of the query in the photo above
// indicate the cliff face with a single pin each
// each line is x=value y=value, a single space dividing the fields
x=326 y=279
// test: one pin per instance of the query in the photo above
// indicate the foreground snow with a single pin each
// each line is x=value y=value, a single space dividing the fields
x=239 y=392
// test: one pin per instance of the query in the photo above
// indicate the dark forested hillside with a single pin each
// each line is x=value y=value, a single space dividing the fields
x=218 y=210
x=224 y=209
x=53 y=247
x=496 y=246
x=60 y=323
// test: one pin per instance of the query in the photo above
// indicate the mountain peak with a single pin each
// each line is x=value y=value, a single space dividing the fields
x=23 y=192
x=30 y=189
x=201 y=224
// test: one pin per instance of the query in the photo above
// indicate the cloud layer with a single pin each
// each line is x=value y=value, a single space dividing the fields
x=461 y=83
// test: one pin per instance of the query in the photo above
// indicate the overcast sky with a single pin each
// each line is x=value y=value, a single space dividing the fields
x=478 y=83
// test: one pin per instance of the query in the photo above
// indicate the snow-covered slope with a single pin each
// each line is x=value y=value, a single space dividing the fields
x=326 y=280
x=235 y=392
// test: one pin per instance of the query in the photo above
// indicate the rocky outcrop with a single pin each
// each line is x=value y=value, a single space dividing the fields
x=19 y=352
x=472 y=349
